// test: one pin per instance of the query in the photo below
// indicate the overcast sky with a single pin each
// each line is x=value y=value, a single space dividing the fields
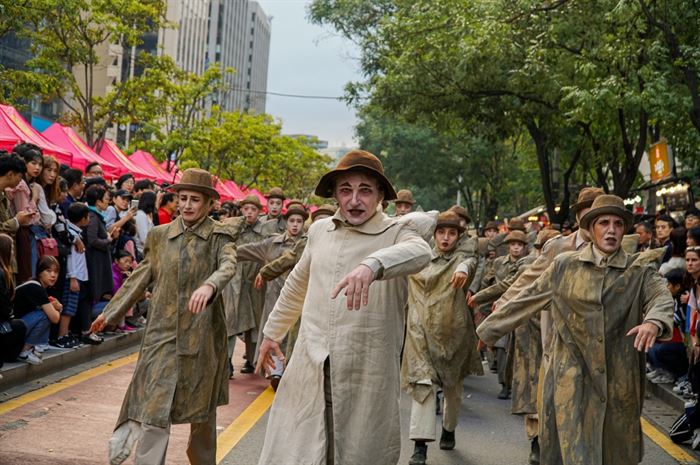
x=309 y=60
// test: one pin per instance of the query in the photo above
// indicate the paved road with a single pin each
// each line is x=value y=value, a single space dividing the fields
x=69 y=422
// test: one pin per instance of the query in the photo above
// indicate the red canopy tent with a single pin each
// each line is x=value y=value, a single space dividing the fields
x=174 y=170
x=146 y=161
x=235 y=191
x=66 y=138
x=15 y=129
x=111 y=153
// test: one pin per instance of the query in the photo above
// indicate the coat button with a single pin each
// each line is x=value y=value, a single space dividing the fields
x=601 y=370
x=602 y=399
x=600 y=339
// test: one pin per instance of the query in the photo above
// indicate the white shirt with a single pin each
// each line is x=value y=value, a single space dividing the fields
x=77 y=265
x=143 y=225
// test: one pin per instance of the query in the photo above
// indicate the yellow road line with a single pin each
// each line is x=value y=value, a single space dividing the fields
x=66 y=383
x=228 y=438
x=663 y=441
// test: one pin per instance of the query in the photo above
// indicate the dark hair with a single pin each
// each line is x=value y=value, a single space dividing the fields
x=6 y=244
x=73 y=177
x=129 y=228
x=694 y=233
x=166 y=199
x=94 y=193
x=77 y=211
x=121 y=253
x=143 y=185
x=29 y=152
x=678 y=238
x=62 y=185
x=46 y=262
x=675 y=276
x=147 y=202
x=90 y=166
x=52 y=191
x=122 y=179
x=668 y=219
x=646 y=225
x=11 y=163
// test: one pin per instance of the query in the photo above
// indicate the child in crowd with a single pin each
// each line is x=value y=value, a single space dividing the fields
x=34 y=306
x=121 y=270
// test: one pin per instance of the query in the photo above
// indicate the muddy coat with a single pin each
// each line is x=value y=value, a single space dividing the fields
x=244 y=303
x=497 y=278
x=182 y=373
x=362 y=346
x=441 y=338
x=264 y=252
x=272 y=226
x=593 y=386
x=284 y=262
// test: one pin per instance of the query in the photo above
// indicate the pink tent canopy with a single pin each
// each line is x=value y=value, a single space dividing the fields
x=235 y=191
x=146 y=161
x=15 y=129
x=66 y=138
x=174 y=170
x=111 y=153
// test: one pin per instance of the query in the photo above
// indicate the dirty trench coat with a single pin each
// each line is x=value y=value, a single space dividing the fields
x=362 y=346
x=593 y=386
x=182 y=373
x=441 y=338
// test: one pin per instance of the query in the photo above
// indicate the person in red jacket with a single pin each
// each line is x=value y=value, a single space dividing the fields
x=167 y=208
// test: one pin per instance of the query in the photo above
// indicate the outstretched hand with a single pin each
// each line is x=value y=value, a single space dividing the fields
x=459 y=279
x=646 y=334
x=356 y=285
x=99 y=324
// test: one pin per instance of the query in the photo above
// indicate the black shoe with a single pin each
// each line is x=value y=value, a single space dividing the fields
x=247 y=368
x=275 y=381
x=63 y=342
x=91 y=338
x=230 y=369
x=447 y=440
x=505 y=393
x=535 y=452
x=420 y=454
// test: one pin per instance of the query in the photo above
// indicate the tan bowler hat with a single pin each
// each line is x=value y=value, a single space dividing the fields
x=404 y=196
x=461 y=211
x=449 y=219
x=356 y=160
x=516 y=236
x=607 y=205
x=325 y=209
x=516 y=224
x=545 y=235
x=491 y=225
x=198 y=180
x=252 y=200
x=276 y=193
x=586 y=197
x=296 y=209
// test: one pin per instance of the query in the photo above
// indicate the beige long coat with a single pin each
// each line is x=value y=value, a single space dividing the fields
x=362 y=346
x=593 y=386
x=181 y=375
x=441 y=338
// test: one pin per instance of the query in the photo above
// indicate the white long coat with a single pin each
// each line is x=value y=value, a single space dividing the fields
x=363 y=346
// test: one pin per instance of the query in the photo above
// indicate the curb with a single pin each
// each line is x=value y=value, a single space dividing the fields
x=664 y=393
x=56 y=360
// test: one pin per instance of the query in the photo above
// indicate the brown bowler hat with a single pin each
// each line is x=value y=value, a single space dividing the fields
x=253 y=200
x=516 y=236
x=516 y=224
x=607 y=205
x=296 y=202
x=545 y=235
x=404 y=196
x=449 y=219
x=198 y=180
x=296 y=209
x=586 y=197
x=276 y=193
x=491 y=225
x=356 y=160
x=325 y=209
x=461 y=211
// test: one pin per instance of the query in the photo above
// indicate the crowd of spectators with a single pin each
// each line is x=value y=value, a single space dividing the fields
x=68 y=240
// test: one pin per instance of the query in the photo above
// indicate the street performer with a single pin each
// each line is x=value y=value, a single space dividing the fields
x=604 y=304
x=182 y=374
x=441 y=342
x=338 y=401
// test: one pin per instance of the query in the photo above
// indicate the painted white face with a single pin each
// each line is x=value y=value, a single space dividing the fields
x=357 y=195
x=193 y=206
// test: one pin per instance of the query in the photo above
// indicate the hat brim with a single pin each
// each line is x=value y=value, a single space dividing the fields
x=321 y=211
x=446 y=224
x=522 y=241
x=324 y=188
x=578 y=206
x=210 y=191
x=407 y=202
x=296 y=211
x=590 y=216
x=257 y=204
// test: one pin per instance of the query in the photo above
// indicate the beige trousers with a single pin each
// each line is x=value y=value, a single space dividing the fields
x=532 y=425
x=153 y=443
x=423 y=413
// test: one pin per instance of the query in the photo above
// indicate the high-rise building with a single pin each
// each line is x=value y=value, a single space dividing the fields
x=239 y=38
x=187 y=42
